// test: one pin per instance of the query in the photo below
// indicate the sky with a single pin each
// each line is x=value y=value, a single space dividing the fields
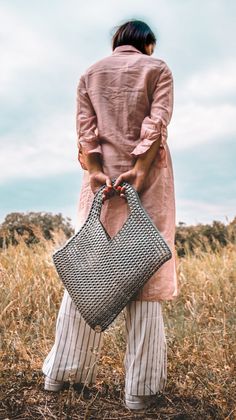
x=46 y=46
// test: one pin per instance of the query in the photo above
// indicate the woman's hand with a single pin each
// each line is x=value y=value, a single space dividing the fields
x=135 y=177
x=138 y=174
x=97 y=179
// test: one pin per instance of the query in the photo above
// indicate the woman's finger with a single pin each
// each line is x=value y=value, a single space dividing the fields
x=118 y=181
x=108 y=182
x=107 y=193
x=109 y=189
x=104 y=197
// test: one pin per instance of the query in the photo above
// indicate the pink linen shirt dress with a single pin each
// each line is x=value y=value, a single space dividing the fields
x=124 y=102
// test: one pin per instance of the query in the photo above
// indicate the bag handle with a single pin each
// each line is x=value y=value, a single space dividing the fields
x=130 y=193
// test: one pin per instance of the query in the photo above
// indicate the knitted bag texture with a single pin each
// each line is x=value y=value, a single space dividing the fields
x=102 y=274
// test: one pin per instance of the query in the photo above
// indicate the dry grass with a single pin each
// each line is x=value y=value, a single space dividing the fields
x=200 y=330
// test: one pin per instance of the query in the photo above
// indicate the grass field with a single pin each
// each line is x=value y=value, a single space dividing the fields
x=200 y=331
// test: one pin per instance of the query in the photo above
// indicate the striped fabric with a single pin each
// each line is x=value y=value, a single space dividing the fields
x=76 y=350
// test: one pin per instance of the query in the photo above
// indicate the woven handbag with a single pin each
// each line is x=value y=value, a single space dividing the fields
x=100 y=273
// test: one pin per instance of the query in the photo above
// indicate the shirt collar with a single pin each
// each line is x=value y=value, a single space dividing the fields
x=124 y=48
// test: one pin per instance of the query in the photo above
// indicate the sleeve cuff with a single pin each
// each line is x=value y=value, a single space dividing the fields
x=149 y=135
x=88 y=148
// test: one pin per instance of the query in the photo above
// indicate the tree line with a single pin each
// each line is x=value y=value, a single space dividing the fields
x=32 y=227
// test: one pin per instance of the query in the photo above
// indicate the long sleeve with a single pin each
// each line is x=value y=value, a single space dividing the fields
x=86 y=124
x=160 y=115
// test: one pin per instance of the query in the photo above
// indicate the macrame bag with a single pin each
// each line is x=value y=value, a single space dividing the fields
x=102 y=274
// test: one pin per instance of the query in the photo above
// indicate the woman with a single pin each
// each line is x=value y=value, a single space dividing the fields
x=124 y=104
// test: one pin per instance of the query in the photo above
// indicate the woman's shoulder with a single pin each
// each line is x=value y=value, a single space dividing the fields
x=99 y=64
x=159 y=64
x=109 y=62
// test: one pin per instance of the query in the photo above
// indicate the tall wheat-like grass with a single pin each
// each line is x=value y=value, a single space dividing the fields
x=201 y=326
x=200 y=323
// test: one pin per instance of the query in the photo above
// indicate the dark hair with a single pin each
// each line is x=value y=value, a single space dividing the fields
x=134 y=32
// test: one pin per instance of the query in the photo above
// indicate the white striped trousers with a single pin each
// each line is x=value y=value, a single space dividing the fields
x=76 y=350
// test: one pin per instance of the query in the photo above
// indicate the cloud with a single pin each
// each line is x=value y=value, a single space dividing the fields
x=196 y=123
x=217 y=82
x=50 y=148
x=204 y=107
x=197 y=211
x=22 y=51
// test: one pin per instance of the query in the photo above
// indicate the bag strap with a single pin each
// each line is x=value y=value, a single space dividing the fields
x=130 y=193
